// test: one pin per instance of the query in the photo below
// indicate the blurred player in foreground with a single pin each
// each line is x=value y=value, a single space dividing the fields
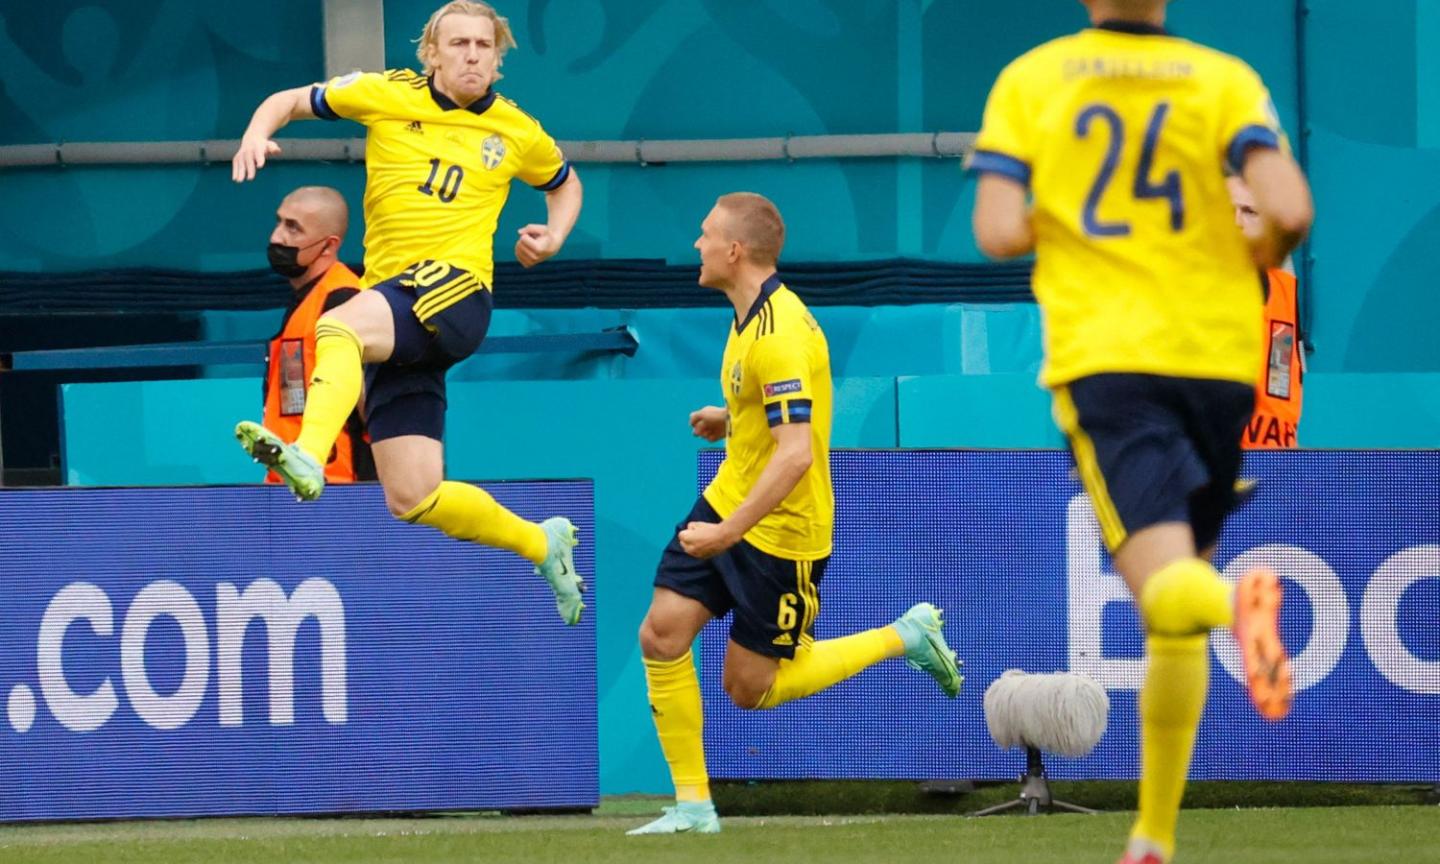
x=1104 y=154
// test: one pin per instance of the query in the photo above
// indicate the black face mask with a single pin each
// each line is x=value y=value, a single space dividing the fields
x=285 y=260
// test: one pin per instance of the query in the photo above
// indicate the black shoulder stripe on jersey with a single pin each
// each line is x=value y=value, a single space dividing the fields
x=511 y=102
x=407 y=76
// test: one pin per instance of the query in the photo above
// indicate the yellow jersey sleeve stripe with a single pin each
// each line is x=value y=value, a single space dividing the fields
x=409 y=77
x=1068 y=417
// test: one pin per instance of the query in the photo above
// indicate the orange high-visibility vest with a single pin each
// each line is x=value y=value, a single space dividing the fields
x=287 y=376
x=1276 y=421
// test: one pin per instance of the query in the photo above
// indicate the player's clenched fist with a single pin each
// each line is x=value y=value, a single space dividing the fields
x=709 y=423
x=536 y=243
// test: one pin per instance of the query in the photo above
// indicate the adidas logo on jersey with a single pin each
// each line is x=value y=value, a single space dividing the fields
x=782 y=639
x=414 y=126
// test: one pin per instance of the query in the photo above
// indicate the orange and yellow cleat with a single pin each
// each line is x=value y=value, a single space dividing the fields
x=1257 y=629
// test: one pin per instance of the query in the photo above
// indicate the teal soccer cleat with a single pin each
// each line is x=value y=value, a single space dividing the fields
x=299 y=470
x=926 y=649
x=559 y=567
x=686 y=817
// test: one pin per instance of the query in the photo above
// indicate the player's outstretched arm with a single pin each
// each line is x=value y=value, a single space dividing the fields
x=789 y=462
x=277 y=110
x=562 y=208
x=1001 y=219
x=1282 y=197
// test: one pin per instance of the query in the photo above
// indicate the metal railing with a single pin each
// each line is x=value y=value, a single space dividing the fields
x=637 y=151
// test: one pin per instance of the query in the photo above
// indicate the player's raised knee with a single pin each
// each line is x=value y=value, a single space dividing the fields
x=662 y=639
x=404 y=499
x=747 y=691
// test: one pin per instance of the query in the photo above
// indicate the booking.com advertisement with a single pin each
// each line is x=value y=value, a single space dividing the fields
x=168 y=652
x=1007 y=545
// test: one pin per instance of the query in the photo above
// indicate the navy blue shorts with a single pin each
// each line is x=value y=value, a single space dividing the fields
x=1153 y=449
x=441 y=314
x=775 y=599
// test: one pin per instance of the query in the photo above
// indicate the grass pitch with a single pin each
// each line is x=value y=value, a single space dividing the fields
x=1329 y=835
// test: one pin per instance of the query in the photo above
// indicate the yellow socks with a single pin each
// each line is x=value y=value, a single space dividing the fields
x=1170 y=706
x=1185 y=598
x=679 y=721
x=822 y=664
x=468 y=512
x=1180 y=605
x=334 y=387
x=675 y=696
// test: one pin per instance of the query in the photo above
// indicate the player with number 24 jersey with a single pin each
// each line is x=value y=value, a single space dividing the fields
x=1105 y=153
x=1121 y=140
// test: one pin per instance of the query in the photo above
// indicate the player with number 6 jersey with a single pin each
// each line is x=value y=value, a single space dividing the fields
x=1105 y=154
x=757 y=541
x=441 y=149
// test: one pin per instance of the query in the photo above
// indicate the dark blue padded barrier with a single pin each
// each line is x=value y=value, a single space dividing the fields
x=618 y=340
x=1007 y=545
x=619 y=283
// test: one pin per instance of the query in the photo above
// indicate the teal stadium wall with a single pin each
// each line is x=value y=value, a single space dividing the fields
x=169 y=69
x=912 y=376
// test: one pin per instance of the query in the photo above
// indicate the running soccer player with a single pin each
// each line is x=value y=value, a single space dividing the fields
x=1104 y=154
x=758 y=539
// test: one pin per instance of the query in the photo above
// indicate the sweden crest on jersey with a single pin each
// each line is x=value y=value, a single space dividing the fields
x=492 y=151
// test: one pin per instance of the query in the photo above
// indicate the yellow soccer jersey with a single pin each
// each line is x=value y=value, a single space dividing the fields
x=777 y=370
x=1122 y=134
x=436 y=175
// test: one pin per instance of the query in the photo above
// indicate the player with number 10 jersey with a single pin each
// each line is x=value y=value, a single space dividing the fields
x=441 y=149
x=436 y=175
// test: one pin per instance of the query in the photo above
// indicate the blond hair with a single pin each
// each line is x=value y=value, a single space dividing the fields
x=427 y=44
x=754 y=223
